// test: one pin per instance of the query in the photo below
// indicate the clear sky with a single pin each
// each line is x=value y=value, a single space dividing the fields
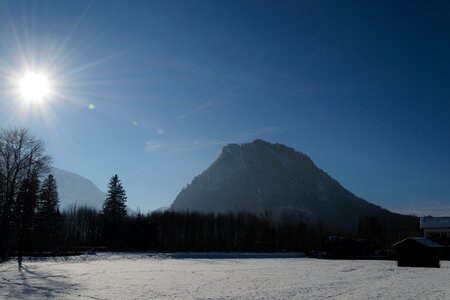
x=152 y=90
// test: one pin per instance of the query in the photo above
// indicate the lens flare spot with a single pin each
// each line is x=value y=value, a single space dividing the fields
x=91 y=106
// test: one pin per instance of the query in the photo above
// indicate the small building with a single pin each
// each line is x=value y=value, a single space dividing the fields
x=436 y=229
x=417 y=252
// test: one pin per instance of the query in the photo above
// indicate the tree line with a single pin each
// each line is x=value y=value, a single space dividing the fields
x=171 y=231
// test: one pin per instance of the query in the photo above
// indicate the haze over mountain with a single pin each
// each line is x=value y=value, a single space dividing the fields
x=275 y=181
x=76 y=190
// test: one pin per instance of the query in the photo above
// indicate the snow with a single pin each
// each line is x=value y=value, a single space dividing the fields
x=142 y=276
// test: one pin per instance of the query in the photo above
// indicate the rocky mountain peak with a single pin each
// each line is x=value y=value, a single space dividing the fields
x=262 y=177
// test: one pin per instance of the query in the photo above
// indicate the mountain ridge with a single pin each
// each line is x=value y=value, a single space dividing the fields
x=274 y=180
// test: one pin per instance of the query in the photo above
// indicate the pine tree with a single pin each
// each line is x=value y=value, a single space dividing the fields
x=114 y=212
x=114 y=207
x=23 y=211
x=48 y=217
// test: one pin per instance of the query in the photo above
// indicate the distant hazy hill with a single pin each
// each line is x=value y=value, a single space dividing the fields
x=275 y=181
x=76 y=190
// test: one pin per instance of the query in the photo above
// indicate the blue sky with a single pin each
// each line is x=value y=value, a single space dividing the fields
x=363 y=87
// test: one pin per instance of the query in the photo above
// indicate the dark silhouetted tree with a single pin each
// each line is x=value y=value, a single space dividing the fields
x=48 y=216
x=23 y=211
x=115 y=207
x=114 y=212
x=21 y=155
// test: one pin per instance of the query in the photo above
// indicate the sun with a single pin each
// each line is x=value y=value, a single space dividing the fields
x=34 y=87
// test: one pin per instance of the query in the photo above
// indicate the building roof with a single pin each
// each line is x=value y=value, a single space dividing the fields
x=434 y=222
x=421 y=240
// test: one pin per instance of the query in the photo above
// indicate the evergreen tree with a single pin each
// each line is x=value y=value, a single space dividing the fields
x=114 y=212
x=48 y=219
x=114 y=207
x=23 y=211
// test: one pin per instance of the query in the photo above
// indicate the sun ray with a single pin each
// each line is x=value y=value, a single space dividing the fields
x=68 y=37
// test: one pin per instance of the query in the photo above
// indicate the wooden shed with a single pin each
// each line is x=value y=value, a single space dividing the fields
x=417 y=252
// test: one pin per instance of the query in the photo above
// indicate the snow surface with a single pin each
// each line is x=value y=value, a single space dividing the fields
x=142 y=276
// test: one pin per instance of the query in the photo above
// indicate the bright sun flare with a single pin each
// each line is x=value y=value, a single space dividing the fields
x=34 y=87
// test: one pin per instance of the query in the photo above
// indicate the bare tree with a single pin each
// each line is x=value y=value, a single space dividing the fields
x=21 y=156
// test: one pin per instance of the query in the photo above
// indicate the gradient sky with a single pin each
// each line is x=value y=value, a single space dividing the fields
x=362 y=87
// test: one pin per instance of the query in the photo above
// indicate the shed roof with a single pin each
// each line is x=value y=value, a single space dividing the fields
x=421 y=240
x=434 y=222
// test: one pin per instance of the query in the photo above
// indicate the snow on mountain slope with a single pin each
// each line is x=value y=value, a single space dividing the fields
x=76 y=190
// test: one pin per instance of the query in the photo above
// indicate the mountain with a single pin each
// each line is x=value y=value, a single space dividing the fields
x=273 y=180
x=76 y=190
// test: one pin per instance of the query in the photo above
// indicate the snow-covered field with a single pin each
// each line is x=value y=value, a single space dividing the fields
x=140 y=276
